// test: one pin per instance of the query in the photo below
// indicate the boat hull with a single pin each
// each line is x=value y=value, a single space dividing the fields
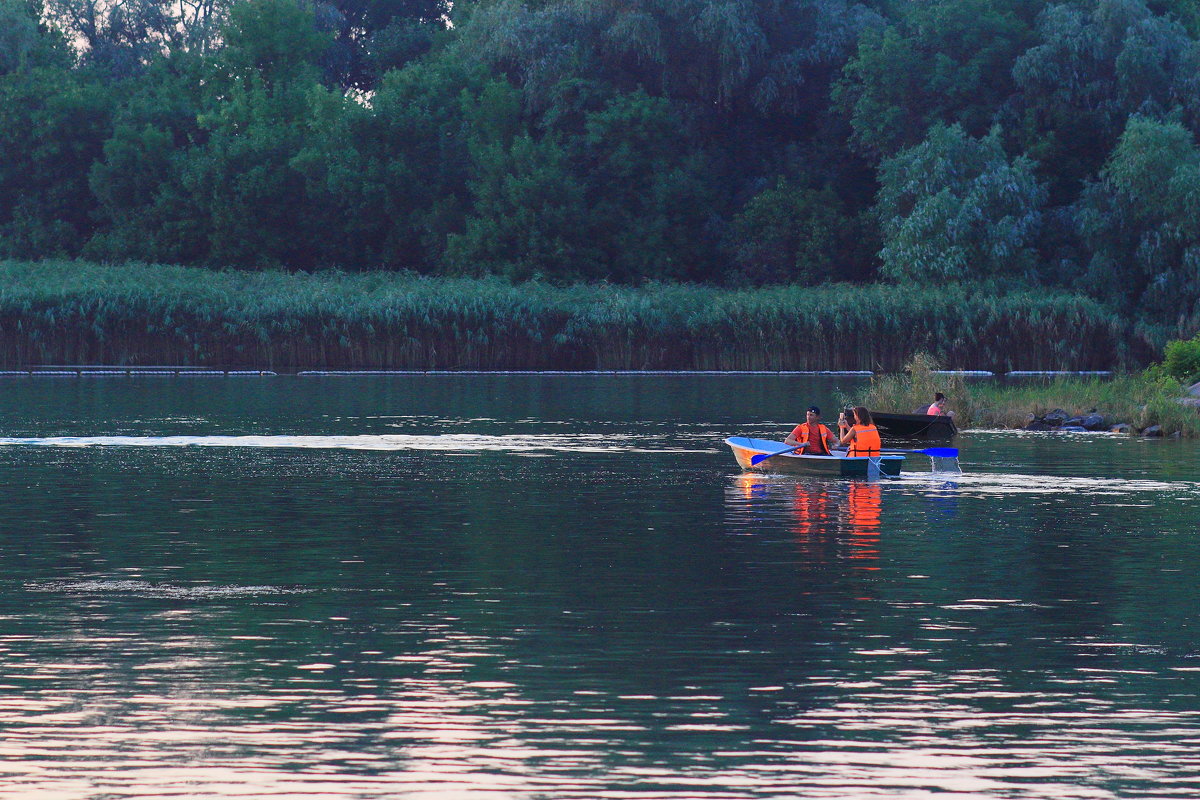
x=915 y=426
x=837 y=466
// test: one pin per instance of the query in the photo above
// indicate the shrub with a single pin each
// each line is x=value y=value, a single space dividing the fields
x=1181 y=359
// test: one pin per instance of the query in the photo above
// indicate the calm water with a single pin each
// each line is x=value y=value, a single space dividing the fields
x=562 y=587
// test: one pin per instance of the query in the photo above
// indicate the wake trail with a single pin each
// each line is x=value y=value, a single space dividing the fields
x=577 y=443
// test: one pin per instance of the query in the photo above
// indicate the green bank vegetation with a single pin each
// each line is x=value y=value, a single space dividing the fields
x=71 y=312
x=1181 y=359
x=1140 y=400
x=1049 y=146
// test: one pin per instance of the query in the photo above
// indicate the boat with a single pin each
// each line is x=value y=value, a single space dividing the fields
x=837 y=465
x=915 y=426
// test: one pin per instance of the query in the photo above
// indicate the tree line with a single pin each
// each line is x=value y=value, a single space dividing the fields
x=736 y=143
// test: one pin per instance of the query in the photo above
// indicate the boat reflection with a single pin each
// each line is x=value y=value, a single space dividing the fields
x=864 y=511
x=828 y=520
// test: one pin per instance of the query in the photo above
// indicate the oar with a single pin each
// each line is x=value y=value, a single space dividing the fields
x=761 y=457
x=935 y=452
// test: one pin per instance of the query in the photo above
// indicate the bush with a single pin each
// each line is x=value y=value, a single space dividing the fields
x=1181 y=359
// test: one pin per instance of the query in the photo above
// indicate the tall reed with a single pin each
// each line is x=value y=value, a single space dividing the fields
x=70 y=312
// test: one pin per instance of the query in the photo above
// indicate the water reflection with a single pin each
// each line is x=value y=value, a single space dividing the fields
x=829 y=520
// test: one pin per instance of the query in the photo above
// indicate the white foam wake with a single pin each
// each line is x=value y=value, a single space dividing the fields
x=462 y=442
x=1011 y=483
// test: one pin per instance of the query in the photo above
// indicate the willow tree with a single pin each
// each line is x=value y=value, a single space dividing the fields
x=955 y=207
x=1091 y=68
x=946 y=61
x=1141 y=223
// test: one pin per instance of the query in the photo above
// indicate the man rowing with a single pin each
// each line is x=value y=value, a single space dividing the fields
x=810 y=437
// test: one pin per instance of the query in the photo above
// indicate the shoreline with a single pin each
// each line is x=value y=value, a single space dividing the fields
x=186 y=371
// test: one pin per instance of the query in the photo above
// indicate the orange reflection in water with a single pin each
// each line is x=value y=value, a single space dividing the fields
x=831 y=520
x=811 y=509
x=864 y=506
x=839 y=521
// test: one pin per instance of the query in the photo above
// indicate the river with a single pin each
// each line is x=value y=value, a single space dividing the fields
x=539 y=586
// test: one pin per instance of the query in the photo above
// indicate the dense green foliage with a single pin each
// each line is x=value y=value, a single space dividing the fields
x=1051 y=144
x=78 y=313
x=1181 y=359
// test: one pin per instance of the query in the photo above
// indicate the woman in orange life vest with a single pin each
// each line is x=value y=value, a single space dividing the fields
x=811 y=436
x=863 y=437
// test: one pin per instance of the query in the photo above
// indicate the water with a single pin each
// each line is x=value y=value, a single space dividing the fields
x=562 y=587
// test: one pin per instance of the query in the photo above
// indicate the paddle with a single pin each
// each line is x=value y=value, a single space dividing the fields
x=934 y=452
x=761 y=457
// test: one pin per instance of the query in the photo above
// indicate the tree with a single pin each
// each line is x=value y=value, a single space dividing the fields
x=792 y=233
x=751 y=78
x=52 y=125
x=267 y=108
x=373 y=36
x=1141 y=222
x=648 y=194
x=122 y=37
x=399 y=167
x=25 y=42
x=945 y=61
x=954 y=208
x=528 y=214
x=1090 y=70
x=145 y=211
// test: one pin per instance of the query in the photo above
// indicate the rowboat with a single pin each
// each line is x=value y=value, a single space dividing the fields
x=915 y=426
x=837 y=465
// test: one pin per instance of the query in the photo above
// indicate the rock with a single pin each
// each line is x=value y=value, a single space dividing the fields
x=1122 y=427
x=1194 y=390
x=1153 y=430
x=1190 y=402
x=1093 y=422
x=1040 y=425
x=1072 y=429
x=1074 y=421
x=1056 y=417
x=1177 y=435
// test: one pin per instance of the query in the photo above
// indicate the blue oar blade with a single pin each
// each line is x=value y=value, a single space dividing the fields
x=941 y=452
x=761 y=457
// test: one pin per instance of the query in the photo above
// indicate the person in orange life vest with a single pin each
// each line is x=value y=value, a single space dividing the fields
x=938 y=407
x=813 y=438
x=862 y=436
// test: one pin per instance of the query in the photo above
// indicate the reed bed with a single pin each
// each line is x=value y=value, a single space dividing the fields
x=1139 y=399
x=71 y=312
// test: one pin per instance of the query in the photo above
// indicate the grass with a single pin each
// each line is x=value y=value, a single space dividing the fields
x=1138 y=399
x=72 y=312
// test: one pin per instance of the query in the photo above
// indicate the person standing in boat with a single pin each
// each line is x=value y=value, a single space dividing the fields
x=862 y=436
x=811 y=437
x=938 y=407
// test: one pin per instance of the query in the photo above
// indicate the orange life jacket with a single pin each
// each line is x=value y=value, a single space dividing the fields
x=814 y=441
x=866 y=441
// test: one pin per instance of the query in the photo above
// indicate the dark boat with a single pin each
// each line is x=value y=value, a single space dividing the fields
x=915 y=426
